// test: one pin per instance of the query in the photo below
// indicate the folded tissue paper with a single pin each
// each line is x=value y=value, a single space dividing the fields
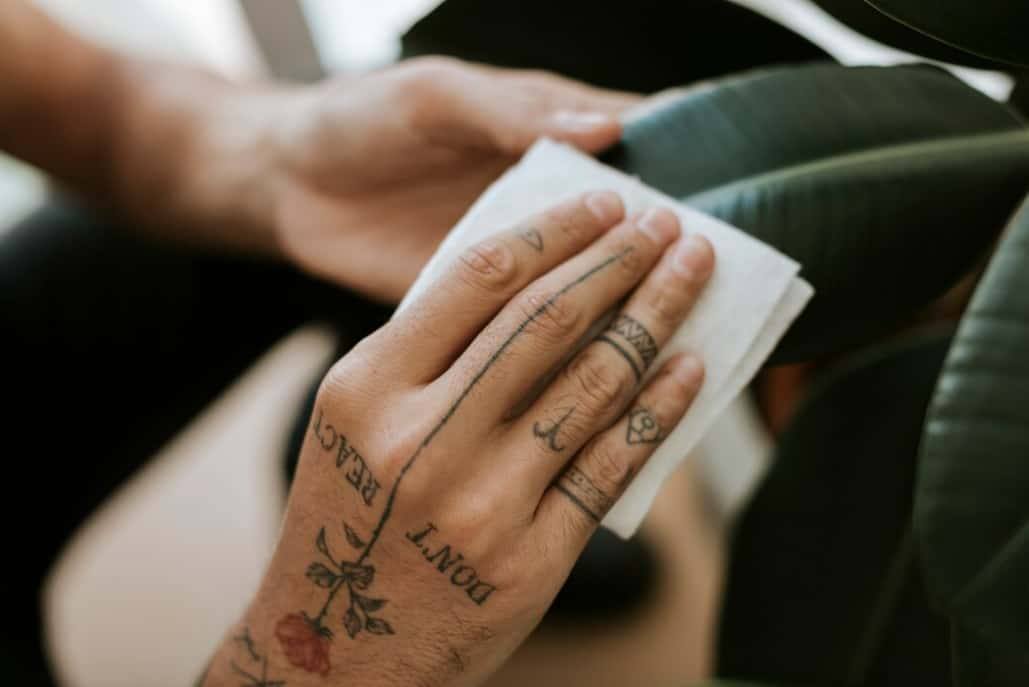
x=750 y=301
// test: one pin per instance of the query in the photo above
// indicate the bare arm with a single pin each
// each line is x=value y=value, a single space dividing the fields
x=129 y=134
x=354 y=180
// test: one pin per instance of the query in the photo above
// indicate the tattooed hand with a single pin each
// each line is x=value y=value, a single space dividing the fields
x=430 y=526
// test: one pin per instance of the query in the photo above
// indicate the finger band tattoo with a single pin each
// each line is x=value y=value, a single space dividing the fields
x=548 y=430
x=643 y=428
x=586 y=495
x=534 y=238
x=348 y=577
x=627 y=330
x=637 y=335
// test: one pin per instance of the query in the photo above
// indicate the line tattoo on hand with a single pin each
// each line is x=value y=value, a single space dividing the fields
x=580 y=490
x=643 y=427
x=305 y=639
x=548 y=430
x=533 y=237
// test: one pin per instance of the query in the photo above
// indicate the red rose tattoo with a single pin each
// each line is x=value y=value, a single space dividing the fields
x=303 y=644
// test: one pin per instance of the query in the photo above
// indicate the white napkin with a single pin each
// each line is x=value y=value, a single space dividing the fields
x=753 y=296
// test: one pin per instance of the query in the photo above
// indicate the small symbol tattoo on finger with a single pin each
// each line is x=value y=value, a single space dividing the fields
x=533 y=238
x=548 y=431
x=643 y=428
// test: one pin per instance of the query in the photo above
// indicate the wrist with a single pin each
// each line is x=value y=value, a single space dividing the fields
x=198 y=157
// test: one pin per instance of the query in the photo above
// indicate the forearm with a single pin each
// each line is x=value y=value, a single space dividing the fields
x=163 y=146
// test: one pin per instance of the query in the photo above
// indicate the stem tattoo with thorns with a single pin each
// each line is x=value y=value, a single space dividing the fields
x=305 y=638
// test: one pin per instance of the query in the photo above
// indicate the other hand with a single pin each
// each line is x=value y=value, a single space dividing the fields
x=364 y=176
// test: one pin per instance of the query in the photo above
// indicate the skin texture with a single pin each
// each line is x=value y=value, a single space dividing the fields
x=353 y=180
x=430 y=527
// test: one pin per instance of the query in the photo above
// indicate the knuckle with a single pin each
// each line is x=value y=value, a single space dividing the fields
x=426 y=72
x=490 y=264
x=667 y=304
x=599 y=385
x=554 y=320
x=610 y=468
x=571 y=220
x=630 y=258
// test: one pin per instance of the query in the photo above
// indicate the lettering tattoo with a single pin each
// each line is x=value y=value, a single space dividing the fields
x=549 y=429
x=626 y=329
x=642 y=428
x=302 y=636
x=534 y=238
x=461 y=575
x=587 y=496
x=348 y=459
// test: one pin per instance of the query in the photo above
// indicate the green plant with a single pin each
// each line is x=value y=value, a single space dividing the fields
x=883 y=548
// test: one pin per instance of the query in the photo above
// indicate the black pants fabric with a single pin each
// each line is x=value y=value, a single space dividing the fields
x=111 y=344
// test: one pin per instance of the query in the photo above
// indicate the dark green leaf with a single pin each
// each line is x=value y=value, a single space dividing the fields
x=822 y=587
x=369 y=605
x=351 y=622
x=352 y=537
x=886 y=184
x=642 y=46
x=321 y=575
x=992 y=28
x=864 y=18
x=378 y=626
x=972 y=504
x=981 y=663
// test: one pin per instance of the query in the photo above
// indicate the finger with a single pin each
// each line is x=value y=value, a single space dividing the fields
x=581 y=496
x=543 y=323
x=595 y=387
x=506 y=112
x=450 y=313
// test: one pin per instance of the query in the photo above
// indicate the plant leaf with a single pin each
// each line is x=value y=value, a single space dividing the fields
x=351 y=622
x=840 y=205
x=321 y=575
x=378 y=626
x=904 y=173
x=867 y=20
x=972 y=493
x=369 y=605
x=352 y=537
x=323 y=545
x=991 y=28
x=643 y=46
x=823 y=587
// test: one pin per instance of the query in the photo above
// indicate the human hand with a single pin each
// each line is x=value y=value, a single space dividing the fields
x=365 y=176
x=429 y=527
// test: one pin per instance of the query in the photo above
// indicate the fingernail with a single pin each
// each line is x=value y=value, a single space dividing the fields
x=659 y=224
x=692 y=257
x=606 y=206
x=578 y=122
x=689 y=370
